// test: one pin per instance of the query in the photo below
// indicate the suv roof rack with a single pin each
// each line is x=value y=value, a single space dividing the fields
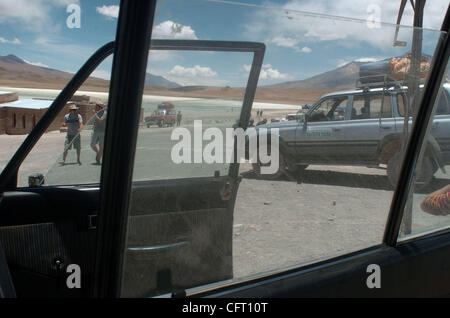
x=385 y=81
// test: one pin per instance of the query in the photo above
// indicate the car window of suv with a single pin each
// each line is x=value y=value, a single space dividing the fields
x=371 y=106
x=330 y=109
x=443 y=104
x=380 y=106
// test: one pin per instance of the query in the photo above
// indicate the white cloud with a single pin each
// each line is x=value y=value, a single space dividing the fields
x=187 y=76
x=14 y=41
x=268 y=73
x=306 y=49
x=106 y=75
x=284 y=41
x=342 y=62
x=109 y=11
x=196 y=71
x=34 y=15
x=367 y=59
x=289 y=42
x=295 y=24
x=36 y=64
x=172 y=30
x=159 y=55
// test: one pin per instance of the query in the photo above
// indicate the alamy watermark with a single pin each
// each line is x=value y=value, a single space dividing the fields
x=374 y=279
x=74 y=279
x=73 y=21
x=260 y=146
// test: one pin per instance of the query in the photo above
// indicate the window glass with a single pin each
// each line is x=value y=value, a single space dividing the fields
x=428 y=207
x=443 y=104
x=370 y=106
x=329 y=109
x=380 y=106
x=401 y=101
x=180 y=130
x=33 y=70
x=197 y=222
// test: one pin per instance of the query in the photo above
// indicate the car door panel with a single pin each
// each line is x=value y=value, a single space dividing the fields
x=43 y=230
x=180 y=235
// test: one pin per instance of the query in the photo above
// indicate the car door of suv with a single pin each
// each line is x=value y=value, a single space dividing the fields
x=320 y=138
x=371 y=120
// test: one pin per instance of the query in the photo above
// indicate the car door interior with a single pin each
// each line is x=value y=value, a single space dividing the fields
x=181 y=230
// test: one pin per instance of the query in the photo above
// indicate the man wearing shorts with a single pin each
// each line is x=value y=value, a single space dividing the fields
x=98 y=132
x=74 y=123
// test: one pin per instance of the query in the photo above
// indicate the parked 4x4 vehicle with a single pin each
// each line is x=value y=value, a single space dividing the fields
x=164 y=115
x=370 y=132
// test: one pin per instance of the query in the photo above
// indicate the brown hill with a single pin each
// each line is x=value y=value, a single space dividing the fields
x=14 y=72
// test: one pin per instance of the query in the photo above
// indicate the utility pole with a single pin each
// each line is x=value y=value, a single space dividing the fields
x=412 y=82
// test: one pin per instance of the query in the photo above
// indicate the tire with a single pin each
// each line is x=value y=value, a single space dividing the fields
x=421 y=182
x=300 y=168
x=161 y=123
x=148 y=125
x=281 y=169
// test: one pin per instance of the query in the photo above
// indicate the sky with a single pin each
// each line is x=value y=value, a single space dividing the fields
x=302 y=37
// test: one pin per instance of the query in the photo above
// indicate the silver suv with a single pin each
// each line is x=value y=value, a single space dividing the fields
x=359 y=127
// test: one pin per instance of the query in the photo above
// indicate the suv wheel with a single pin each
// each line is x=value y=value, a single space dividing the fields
x=421 y=182
x=281 y=169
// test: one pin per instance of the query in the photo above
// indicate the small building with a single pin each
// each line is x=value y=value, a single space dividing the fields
x=18 y=117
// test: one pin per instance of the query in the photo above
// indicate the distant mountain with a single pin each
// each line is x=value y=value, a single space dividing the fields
x=341 y=77
x=11 y=59
x=157 y=80
x=16 y=72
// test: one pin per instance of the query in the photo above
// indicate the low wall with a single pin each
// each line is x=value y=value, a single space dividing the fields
x=8 y=97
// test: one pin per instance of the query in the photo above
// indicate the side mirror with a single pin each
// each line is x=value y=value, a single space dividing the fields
x=36 y=180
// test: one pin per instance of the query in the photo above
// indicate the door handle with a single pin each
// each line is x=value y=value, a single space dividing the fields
x=385 y=127
x=435 y=125
x=336 y=129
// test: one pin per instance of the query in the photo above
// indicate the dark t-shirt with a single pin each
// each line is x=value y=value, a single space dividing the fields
x=73 y=123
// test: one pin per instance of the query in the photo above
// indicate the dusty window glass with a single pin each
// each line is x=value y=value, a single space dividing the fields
x=401 y=101
x=34 y=70
x=329 y=193
x=428 y=207
x=380 y=106
x=329 y=109
x=370 y=106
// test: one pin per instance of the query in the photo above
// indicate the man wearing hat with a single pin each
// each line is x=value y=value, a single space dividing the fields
x=98 y=132
x=74 y=123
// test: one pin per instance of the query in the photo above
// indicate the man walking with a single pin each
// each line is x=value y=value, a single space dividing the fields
x=74 y=123
x=179 y=118
x=98 y=132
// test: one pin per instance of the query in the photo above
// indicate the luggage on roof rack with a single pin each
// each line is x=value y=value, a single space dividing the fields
x=389 y=72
